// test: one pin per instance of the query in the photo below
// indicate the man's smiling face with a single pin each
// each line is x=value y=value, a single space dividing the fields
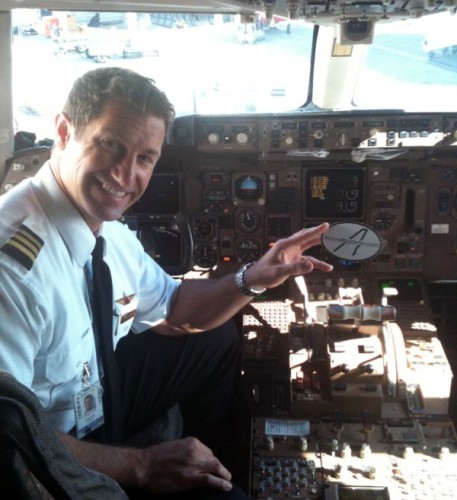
x=106 y=167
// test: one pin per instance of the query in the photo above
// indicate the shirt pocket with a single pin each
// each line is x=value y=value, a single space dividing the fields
x=123 y=316
x=64 y=370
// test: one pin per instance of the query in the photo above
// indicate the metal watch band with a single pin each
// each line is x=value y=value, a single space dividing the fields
x=241 y=284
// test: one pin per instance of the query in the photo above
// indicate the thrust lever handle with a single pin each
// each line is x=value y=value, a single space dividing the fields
x=362 y=312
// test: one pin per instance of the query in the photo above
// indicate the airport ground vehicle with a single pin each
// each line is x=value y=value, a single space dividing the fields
x=344 y=118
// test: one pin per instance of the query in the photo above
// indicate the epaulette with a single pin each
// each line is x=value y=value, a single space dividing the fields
x=24 y=246
x=131 y=221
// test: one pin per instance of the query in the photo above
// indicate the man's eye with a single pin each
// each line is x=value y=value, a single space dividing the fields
x=146 y=160
x=109 y=144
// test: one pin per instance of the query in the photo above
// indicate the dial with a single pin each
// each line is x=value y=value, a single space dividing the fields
x=248 y=188
x=248 y=220
x=215 y=200
x=205 y=229
x=248 y=250
x=205 y=256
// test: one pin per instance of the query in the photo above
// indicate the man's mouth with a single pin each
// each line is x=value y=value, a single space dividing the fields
x=111 y=190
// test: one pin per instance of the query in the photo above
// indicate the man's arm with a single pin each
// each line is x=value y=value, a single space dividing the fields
x=167 y=467
x=204 y=304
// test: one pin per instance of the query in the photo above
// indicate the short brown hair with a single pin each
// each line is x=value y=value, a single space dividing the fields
x=92 y=90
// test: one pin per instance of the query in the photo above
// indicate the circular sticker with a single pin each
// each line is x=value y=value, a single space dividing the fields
x=352 y=241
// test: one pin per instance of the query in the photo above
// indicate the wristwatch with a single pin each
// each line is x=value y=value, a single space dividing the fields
x=241 y=284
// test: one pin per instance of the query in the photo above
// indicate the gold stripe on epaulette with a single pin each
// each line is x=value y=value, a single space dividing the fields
x=24 y=246
x=30 y=244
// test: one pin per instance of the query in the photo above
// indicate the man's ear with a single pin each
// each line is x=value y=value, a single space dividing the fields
x=63 y=126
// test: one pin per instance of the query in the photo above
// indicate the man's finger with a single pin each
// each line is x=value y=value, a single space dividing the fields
x=217 y=483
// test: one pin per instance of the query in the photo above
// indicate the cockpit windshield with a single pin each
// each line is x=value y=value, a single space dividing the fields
x=411 y=66
x=227 y=63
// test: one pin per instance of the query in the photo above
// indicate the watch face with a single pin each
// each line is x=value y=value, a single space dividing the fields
x=352 y=241
x=241 y=284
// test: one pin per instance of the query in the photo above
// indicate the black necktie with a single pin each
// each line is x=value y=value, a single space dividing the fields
x=102 y=305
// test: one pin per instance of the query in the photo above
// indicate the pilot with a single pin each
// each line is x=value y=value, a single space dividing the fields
x=174 y=340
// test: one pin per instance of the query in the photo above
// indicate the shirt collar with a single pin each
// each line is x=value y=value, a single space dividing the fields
x=69 y=223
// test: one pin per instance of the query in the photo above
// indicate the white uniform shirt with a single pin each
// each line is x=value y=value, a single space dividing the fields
x=45 y=317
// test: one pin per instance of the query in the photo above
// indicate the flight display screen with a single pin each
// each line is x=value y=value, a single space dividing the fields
x=162 y=196
x=162 y=240
x=334 y=193
x=361 y=493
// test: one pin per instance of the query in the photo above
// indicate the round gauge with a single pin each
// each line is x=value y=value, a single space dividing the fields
x=248 y=220
x=248 y=187
x=215 y=200
x=205 y=229
x=248 y=250
x=205 y=256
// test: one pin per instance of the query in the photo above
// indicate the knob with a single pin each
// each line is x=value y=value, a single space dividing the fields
x=408 y=452
x=342 y=139
x=372 y=472
x=346 y=451
x=213 y=138
x=269 y=443
x=242 y=138
x=365 y=451
x=301 y=443
x=369 y=368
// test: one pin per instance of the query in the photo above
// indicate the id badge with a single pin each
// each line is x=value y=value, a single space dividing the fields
x=88 y=406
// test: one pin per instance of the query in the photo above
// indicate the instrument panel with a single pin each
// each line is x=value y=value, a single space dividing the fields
x=239 y=183
x=246 y=182
x=315 y=134
x=357 y=460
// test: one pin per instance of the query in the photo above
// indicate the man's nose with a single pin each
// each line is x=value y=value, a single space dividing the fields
x=124 y=171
